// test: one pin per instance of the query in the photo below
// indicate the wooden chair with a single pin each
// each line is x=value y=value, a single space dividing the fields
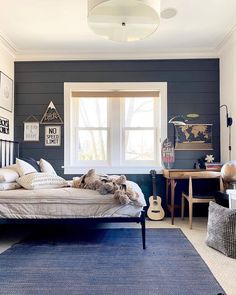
x=194 y=198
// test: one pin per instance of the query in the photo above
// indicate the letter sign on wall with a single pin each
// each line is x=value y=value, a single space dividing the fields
x=52 y=135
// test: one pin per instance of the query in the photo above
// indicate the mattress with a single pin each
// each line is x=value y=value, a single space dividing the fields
x=65 y=203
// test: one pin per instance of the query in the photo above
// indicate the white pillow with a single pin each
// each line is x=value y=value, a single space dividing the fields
x=24 y=167
x=40 y=180
x=8 y=175
x=9 y=186
x=46 y=167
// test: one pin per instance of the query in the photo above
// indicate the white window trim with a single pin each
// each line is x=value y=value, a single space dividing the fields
x=113 y=86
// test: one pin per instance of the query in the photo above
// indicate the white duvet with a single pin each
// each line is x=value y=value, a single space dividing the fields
x=65 y=203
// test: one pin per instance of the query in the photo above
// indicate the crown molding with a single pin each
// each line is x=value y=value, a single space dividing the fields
x=44 y=56
x=225 y=40
x=9 y=46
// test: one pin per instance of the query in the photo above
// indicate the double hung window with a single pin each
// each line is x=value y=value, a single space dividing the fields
x=113 y=131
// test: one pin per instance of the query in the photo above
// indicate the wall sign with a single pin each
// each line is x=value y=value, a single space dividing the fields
x=167 y=154
x=52 y=135
x=51 y=116
x=4 y=125
x=31 y=131
x=6 y=92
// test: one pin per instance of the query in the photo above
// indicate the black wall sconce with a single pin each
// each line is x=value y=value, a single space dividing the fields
x=229 y=123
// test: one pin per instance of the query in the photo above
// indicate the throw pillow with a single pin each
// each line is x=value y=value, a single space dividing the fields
x=41 y=181
x=24 y=167
x=8 y=175
x=221 y=229
x=32 y=162
x=46 y=167
x=9 y=186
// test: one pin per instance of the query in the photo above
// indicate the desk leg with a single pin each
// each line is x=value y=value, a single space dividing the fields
x=172 y=206
x=167 y=194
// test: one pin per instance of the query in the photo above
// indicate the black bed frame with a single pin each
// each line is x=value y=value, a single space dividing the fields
x=12 y=148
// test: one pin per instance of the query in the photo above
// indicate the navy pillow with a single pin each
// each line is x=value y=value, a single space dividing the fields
x=32 y=162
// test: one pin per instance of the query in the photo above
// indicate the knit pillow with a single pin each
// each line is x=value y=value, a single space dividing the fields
x=221 y=229
x=41 y=181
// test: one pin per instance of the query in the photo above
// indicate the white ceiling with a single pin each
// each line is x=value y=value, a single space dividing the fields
x=51 y=29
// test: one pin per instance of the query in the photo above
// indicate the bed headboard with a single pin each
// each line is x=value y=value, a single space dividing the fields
x=9 y=151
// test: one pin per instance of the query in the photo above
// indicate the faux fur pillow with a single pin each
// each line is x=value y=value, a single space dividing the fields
x=41 y=181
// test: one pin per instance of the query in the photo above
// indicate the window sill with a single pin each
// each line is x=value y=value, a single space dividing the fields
x=113 y=170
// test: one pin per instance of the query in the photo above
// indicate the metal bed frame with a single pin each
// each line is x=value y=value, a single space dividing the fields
x=9 y=151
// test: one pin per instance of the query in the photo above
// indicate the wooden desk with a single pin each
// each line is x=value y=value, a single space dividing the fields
x=171 y=175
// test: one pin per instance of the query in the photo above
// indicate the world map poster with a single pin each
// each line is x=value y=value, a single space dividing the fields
x=193 y=137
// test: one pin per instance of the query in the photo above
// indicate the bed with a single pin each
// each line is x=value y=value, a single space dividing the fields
x=67 y=203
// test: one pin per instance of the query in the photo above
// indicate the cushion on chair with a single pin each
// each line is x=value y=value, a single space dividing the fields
x=221 y=229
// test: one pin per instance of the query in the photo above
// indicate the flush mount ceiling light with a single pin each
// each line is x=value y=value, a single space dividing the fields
x=124 y=20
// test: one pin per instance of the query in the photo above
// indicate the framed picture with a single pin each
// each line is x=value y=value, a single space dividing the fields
x=4 y=125
x=31 y=131
x=51 y=116
x=53 y=135
x=193 y=137
x=6 y=92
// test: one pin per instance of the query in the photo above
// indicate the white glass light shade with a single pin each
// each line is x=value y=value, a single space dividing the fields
x=124 y=20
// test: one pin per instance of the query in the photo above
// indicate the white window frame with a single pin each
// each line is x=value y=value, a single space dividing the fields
x=117 y=167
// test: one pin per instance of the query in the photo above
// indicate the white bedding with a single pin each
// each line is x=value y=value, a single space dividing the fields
x=65 y=203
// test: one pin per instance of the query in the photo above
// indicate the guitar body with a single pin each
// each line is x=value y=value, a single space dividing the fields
x=155 y=210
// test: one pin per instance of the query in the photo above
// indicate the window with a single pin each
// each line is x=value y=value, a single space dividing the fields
x=91 y=128
x=114 y=131
x=140 y=128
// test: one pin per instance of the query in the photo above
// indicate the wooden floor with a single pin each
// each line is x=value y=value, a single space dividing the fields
x=221 y=266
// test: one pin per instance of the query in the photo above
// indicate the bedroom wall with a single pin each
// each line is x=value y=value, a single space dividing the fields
x=7 y=67
x=193 y=87
x=228 y=94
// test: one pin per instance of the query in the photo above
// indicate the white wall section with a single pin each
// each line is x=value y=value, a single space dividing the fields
x=7 y=67
x=228 y=94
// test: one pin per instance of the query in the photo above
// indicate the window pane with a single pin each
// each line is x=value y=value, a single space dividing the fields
x=139 y=145
x=93 y=112
x=139 y=112
x=93 y=145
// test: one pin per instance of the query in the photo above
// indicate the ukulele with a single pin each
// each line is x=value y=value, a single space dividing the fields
x=155 y=210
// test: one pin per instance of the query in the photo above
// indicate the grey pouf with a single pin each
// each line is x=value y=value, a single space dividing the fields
x=221 y=229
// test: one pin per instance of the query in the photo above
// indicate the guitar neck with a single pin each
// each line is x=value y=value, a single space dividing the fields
x=154 y=192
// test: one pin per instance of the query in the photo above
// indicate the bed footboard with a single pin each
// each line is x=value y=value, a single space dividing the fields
x=139 y=219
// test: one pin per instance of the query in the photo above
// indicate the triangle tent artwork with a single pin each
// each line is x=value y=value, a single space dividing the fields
x=51 y=115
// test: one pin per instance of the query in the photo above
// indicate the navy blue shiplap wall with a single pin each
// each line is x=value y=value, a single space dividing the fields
x=193 y=87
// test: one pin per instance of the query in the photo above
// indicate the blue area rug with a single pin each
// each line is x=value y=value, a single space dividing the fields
x=106 y=262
